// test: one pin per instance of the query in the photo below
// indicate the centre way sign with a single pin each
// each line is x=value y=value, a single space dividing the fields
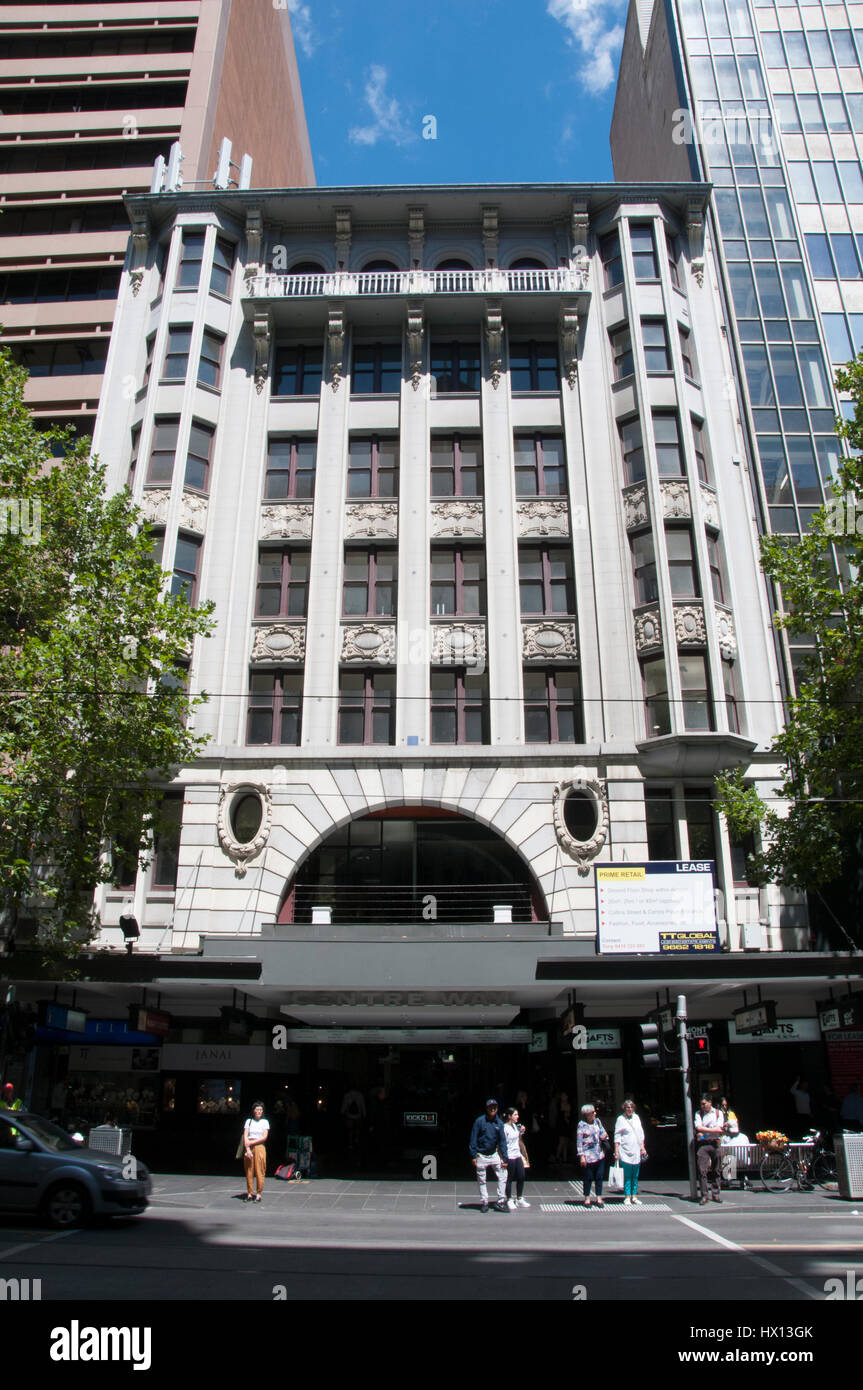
x=667 y=907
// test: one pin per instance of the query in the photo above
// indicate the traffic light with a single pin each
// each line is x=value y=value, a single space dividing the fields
x=701 y=1051
x=650 y=1045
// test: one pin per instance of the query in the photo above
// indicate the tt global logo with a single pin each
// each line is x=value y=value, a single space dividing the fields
x=77 y=1343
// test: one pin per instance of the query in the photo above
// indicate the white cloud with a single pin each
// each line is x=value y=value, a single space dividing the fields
x=389 y=120
x=302 y=27
x=594 y=28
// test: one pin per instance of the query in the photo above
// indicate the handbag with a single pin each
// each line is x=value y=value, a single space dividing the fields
x=615 y=1178
x=241 y=1147
x=523 y=1151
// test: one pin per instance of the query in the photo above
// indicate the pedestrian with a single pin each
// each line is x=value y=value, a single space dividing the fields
x=731 y=1124
x=709 y=1125
x=255 y=1132
x=802 y=1100
x=515 y=1152
x=563 y=1127
x=8 y=1100
x=629 y=1150
x=488 y=1150
x=589 y=1141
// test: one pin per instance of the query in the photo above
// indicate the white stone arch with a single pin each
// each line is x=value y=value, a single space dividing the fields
x=456 y=252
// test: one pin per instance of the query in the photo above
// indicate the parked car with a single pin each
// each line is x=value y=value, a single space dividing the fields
x=44 y=1170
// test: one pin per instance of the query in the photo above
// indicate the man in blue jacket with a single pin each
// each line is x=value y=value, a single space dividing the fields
x=488 y=1150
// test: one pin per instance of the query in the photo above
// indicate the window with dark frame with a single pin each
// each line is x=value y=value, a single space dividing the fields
x=187 y=556
x=660 y=822
x=369 y=586
x=534 y=366
x=732 y=697
x=552 y=705
x=455 y=366
x=160 y=468
x=695 y=690
x=148 y=365
x=283 y=582
x=367 y=706
x=545 y=580
x=682 y=568
x=191 y=256
x=298 y=371
x=687 y=352
x=714 y=556
x=666 y=438
x=540 y=466
x=373 y=467
x=210 y=365
x=700 y=822
x=456 y=466
x=223 y=265
x=643 y=251
x=702 y=452
x=458 y=586
x=621 y=351
x=657 y=357
x=290 y=468
x=275 y=707
x=376 y=369
x=176 y=366
x=644 y=568
x=657 y=709
x=459 y=706
x=632 y=449
x=133 y=457
x=166 y=846
x=612 y=259
x=197 y=475
x=671 y=250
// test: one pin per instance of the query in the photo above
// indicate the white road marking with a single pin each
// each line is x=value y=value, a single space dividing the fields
x=31 y=1245
x=771 y=1268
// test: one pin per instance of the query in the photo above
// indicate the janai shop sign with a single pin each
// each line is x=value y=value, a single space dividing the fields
x=663 y=908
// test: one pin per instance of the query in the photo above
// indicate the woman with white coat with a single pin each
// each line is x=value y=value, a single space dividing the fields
x=629 y=1150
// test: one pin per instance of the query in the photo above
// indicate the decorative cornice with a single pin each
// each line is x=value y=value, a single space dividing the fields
x=542 y=640
x=569 y=341
x=369 y=642
x=287 y=520
x=457 y=518
x=336 y=342
x=343 y=237
x=544 y=517
x=416 y=235
x=676 y=501
x=254 y=235
x=648 y=630
x=458 y=644
x=635 y=505
x=371 y=519
x=494 y=339
x=582 y=851
x=689 y=624
x=279 y=642
x=725 y=633
x=579 y=226
x=415 y=342
x=695 y=226
x=233 y=848
x=262 y=325
x=490 y=235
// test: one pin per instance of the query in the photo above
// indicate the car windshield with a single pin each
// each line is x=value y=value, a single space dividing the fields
x=51 y=1135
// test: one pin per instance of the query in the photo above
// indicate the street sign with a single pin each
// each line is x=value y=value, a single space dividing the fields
x=754 y=1017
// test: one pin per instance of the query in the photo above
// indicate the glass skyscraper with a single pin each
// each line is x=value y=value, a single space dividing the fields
x=764 y=98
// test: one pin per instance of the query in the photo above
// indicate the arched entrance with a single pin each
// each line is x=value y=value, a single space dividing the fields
x=412 y=864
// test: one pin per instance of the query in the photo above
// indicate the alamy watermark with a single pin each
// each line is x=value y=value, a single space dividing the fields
x=844 y=516
x=19 y=516
x=723 y=128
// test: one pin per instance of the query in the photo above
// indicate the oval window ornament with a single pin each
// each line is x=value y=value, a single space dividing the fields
x=579 y=815
x=580 y=809
x=246 y=816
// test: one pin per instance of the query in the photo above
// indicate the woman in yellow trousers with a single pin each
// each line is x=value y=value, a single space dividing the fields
x=255 y=1132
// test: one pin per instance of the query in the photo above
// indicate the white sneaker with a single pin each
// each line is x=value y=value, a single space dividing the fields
x=522 y=1203
x=512 y=1204
x=627 y=1201
x=637 y=1202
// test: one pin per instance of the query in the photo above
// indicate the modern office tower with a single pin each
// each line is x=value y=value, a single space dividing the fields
x=458 y=469
x=765 y=100
x=90 y=94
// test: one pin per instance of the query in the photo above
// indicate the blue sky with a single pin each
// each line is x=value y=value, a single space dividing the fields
x=519 y=90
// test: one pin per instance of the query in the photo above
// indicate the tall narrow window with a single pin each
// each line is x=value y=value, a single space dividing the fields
x=166 y=848
x=223 y=264
x=656 y=704
x=198 y=457
x=632 y=448
x=682 y=568
x=191 y=256
x=283 y=583
x=671 y=250
x=377 y=369
x=657 y=357
x=700 y=825
x=373 y=467
x=210 y=365
x=643 y=251
x=697 y=705
x=621 y=349
x=458 y=581
x=534 y=366
x=661 y=829
x=177 y=354
x=187 y=556
x=160 y=469
x=687 y=352
x=666 y=435
x=540 y=466
x=133 y=460
x=370 y=583
x=714 y=554
x=459 y=706
x=644 y=568
x=455 y=366
x=609 y=251
x=732 y=697
x=456 y=466
x=275 y=707
x=367 y=701
x=545 y=580
x=552 y=706
x=298 y=371
x=702 y=455
x=290 y=468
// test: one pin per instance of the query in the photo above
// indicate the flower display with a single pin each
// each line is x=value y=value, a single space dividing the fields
x=772 y=1139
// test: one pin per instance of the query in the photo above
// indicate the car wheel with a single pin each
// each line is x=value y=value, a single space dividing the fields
x=67 y=1205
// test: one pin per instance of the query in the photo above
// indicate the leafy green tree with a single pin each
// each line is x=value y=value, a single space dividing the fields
x=816 y=846
x=93 y=704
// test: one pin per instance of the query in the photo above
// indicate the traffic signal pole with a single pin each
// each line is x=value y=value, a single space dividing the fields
x=687 y=1095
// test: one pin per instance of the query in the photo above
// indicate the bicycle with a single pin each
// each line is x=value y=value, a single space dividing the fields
x=780 y=1171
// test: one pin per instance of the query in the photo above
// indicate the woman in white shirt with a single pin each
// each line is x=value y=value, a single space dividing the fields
x=255 y=1132
x=515 y=1156
x=629 y=1150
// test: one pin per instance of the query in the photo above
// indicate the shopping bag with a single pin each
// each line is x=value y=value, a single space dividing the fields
x=286 y=1172
x=241 y=1149
x=615 y=1178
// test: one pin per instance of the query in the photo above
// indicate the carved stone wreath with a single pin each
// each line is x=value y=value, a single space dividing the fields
x=279 y=642
x=542 y=518
x=542 y=640
x=635 y=505
x=288 y=520
x=371 y=519
x=458 y=644
x=369 y=642
x=689 y=625
x=582 y=851
x=457 y=518
x=240 y=853
x=648 y=630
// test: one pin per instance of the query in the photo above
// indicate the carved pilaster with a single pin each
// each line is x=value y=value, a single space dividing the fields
x=140 y=246
x=261 y=329
x=343 y=237
x=416 y=236
x=336 y=343
x=695 y=226
x=254 y=235
x=569 y=341
x=698 y=271
x=490 y=235
x=415 y=342
x=494 y=339
x=579 y=227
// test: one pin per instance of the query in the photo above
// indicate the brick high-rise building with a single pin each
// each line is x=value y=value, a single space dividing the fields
x=89 y=96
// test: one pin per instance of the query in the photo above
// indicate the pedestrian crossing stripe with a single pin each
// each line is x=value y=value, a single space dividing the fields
x=576 y=1207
